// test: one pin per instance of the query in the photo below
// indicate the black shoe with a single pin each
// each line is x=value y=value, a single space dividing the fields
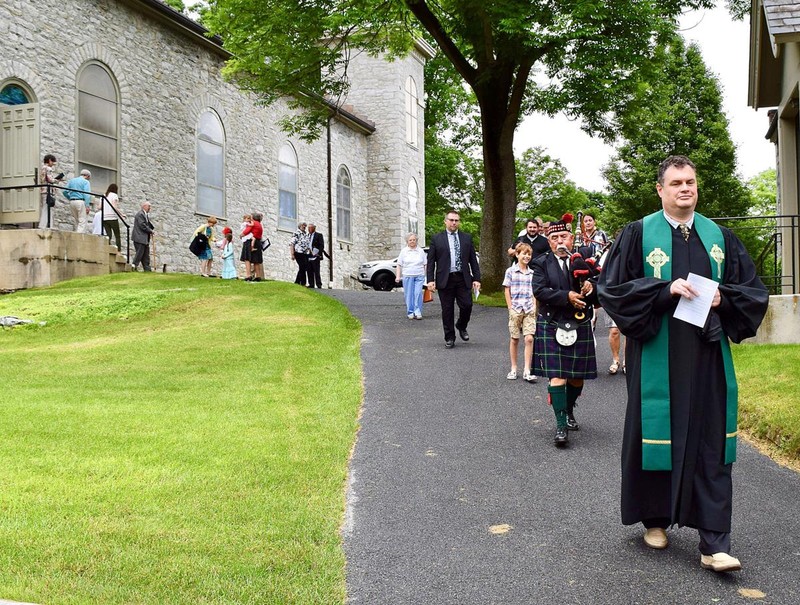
x=572 y=425
x=449 y=344
x=464 y=336
x=561 y=437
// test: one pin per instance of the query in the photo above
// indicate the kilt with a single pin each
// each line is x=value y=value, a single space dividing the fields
x=551 y=360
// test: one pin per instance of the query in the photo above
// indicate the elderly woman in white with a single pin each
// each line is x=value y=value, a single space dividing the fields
x=411 y=271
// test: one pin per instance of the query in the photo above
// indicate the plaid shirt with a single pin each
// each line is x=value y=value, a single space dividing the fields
x=520 y=286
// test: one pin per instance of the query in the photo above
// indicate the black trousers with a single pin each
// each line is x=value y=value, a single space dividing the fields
x=455 y=292
x=314 y=277
x=711 y=542
x=142 y=255
x=302 y=268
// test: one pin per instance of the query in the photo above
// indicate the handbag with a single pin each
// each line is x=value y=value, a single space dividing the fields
x=265 y=243
x=199 y=244
x=427 y=295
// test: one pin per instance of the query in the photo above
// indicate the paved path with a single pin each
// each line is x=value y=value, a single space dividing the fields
x=449 y=448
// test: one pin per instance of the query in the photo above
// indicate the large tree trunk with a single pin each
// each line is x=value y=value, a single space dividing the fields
x=500 y=197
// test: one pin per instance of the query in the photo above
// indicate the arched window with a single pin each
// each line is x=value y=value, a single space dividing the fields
x=287 y=188
x=98 y=125
x=13 y=93
x=344 y=225
x=413 y=198
x=210 y=164
x=412 y=122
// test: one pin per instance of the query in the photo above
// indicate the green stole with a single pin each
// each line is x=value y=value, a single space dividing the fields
x=655 y=378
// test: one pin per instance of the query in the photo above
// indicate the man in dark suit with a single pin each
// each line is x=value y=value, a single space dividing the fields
x=453 y=270
x=317 y=243
x=142 y=232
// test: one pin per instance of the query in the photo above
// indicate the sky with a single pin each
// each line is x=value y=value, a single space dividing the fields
x=725 y=45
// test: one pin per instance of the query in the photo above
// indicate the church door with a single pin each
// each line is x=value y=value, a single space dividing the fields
x=19 y=156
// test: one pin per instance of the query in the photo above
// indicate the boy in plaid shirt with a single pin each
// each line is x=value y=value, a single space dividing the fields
x=521 y=309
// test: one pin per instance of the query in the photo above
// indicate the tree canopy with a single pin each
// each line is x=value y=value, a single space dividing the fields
x=583 y=57
x=678 y=113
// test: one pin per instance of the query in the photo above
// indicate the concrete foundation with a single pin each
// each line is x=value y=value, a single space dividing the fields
x=781 y=325
x=32 y=258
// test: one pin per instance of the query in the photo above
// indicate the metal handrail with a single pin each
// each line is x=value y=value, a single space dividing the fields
x=51 y=186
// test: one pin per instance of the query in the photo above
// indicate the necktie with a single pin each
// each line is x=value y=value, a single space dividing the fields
x=565 y=267
x=684 y=231
x=457 y=250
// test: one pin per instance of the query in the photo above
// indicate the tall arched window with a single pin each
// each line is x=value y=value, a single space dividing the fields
x=210 y=164
x=413 y=198
x=412 y=122
x=98 y=125
x=344 y=225
x=287 y=188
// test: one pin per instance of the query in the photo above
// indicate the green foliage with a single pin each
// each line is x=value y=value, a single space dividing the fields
x=544 y=188
x=738 y=9
x=679 y=111
x=147 y=459
x=176 y=4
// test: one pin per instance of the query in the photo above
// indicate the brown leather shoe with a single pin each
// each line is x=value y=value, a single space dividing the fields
x=719 y=562
x=655 y=537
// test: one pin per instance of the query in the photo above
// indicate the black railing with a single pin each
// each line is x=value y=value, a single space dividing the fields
x=773 y=243
x=50 y=193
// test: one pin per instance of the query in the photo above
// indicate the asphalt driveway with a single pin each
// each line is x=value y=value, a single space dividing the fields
x=458 y=496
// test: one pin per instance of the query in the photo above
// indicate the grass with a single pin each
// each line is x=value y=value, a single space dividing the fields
x=769 y=404
x=170 y=439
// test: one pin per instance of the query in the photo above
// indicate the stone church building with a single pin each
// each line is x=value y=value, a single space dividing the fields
x=132 y=91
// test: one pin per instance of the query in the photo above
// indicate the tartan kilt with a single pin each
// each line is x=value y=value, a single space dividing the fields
x=551 y=360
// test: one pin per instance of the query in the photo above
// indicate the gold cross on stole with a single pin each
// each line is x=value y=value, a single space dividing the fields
x=657 y=259
x=718 y=255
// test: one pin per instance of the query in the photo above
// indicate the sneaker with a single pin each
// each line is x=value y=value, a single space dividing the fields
x=561 y=438
x=512 y=375
x=572 y=424
x=417 y=316
x=528 y=377
x=720 y=561
x=411 y=316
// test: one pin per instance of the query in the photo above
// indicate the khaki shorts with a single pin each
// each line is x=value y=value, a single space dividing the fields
x=520 y=322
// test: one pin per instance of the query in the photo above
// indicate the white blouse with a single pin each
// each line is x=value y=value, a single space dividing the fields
x=413 y=261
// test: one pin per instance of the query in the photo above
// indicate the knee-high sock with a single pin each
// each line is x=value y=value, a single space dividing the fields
x=558 y=399
x=573 y=393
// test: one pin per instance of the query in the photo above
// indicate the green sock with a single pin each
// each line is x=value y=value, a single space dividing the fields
x=573 y=393
x=558 y=399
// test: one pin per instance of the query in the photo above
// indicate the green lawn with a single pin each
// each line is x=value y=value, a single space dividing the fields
x=173 y=439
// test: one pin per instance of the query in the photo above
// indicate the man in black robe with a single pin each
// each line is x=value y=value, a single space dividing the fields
x=639 y=287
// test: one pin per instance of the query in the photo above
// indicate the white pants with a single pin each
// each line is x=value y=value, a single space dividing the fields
x=79 y=215
x=43 y=215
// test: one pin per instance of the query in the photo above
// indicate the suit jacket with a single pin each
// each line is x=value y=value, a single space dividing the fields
x=142 y=228
x=551 y=287
x=439 y=259
x=318 y=242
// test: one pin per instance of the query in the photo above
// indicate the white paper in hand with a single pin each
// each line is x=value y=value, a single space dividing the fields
x=695 y=311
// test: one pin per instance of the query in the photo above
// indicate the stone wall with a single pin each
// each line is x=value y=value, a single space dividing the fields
x=166 y=79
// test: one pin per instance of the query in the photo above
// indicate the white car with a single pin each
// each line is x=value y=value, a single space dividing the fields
x=380 y=274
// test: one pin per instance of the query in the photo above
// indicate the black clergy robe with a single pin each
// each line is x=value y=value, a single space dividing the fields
x=697 y=492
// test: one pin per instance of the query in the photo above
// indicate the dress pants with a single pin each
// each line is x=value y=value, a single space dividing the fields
x=312 y=271
x=302 y=268
x=711 y=542
x=142 y=255
x=458 y=292
x=79 y=215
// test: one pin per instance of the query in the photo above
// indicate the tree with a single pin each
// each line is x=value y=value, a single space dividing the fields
x=544 y=188
x=176 y=4
x=517 y=56
x=738 y=9
x=678 y=113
